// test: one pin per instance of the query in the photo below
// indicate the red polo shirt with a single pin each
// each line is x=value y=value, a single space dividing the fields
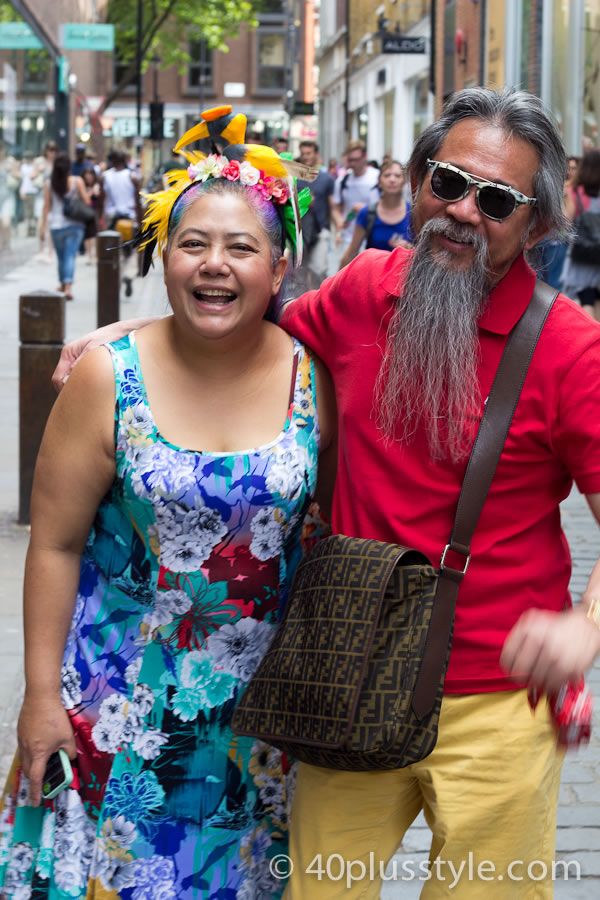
x=520 y=558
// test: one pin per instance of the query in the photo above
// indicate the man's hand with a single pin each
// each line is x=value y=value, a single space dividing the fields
x=72 y=353
x=548 y=649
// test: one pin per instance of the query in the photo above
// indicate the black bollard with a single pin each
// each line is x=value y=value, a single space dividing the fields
x=108 y=245
x=41 y=332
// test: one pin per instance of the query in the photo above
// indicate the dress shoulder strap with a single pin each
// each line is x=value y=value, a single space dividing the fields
x=129 y=382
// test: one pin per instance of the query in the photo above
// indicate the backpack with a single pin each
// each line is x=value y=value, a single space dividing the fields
x=586 y=246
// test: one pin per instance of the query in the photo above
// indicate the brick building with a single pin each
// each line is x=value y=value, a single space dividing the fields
x=267 y=73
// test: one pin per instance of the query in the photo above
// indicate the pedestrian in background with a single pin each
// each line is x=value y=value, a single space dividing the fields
x=66 y=233
x=383 y=224
x=321 y=190
x=80 y=163
x=582 y=279
x=352 y=191
x=94 y=192
x=28 y=192
x=122 y=209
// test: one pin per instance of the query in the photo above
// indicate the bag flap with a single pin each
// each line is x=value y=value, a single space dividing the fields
x=308 y=685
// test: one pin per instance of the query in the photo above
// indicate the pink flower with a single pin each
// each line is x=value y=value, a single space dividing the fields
x=265 y=186
x=280 y=191
x=232 y=170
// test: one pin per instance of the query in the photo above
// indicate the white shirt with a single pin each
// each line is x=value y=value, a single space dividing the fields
x=357 y=189
x=120 y=192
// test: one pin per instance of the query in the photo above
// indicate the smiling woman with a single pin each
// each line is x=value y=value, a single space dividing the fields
x=165 y=530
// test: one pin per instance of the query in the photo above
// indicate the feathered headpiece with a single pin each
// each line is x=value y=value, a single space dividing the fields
x=223 y=154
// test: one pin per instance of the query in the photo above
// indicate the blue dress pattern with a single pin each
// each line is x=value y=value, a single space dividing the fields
x=182 y=579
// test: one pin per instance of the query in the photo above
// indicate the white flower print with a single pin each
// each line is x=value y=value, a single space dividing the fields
x=239 y=648
x=70 y=686
x=112 y=707
x=160 y=470
x=136 y=420
x=154 y=879
x=142 y=702
x=198 y=531
x=270 y=789
x=132 y=672
x=118 y=832
x=267 y=533
x=21 y=857
x=166 y=605
x=133 y=725
x=286 y=475
x=149 y=742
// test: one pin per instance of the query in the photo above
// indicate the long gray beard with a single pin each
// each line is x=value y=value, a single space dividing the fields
x=428 y=375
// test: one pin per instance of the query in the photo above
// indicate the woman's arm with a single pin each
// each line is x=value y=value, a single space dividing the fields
x=75 y=350
x=358 y=236
x=327 y=411
x=45 y=212
x=82 y=190
x=74 y=470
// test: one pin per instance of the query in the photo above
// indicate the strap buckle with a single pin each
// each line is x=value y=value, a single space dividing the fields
x=449 y=568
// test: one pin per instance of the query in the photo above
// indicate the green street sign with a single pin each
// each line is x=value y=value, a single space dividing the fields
x=79 y=36
x=18 y=36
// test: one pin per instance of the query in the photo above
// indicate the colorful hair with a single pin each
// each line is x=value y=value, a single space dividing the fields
x=265 y=211
x=266 y=180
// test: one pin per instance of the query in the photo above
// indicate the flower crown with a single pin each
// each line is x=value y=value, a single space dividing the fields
x=223 y=154
x=214 y=166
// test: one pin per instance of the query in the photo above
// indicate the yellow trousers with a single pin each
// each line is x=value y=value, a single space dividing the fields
x=489 y=792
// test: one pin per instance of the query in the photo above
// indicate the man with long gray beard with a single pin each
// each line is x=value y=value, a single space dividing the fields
x=413 y=340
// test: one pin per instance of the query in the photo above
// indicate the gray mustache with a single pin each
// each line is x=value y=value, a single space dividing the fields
x=453 y=230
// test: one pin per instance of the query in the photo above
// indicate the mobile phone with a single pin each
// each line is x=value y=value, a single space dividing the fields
x=58 y=775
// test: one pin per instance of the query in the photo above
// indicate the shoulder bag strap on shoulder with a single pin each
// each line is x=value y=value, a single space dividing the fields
x=485 y=455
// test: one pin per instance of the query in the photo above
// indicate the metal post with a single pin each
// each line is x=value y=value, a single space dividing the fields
x=41 y=332
x=108 y=245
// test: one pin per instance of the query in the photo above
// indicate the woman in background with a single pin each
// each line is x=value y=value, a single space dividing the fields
x=66 y=233
x=387 y=225
x=581 y=280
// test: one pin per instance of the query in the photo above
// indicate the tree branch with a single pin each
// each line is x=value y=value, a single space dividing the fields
x=131 y=71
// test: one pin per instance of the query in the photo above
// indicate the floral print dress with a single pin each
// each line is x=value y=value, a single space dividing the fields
x=184 y=573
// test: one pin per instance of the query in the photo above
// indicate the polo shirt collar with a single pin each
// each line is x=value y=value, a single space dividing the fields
x=509 y=299
x=506 y=303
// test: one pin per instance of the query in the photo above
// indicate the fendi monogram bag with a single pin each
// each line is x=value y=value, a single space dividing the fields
x=355 y=674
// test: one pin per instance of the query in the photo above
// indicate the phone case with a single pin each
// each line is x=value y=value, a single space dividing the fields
x=58 y=775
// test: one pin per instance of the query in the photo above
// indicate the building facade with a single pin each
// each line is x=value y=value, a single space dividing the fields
x=267 y=73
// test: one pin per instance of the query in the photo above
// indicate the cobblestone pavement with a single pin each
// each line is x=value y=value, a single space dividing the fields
x=578 y=832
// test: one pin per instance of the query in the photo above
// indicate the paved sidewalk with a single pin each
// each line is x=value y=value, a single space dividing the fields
x=149 y=297
x=578 y=833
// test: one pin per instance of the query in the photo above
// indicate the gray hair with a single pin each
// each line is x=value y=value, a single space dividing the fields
x=522 y=115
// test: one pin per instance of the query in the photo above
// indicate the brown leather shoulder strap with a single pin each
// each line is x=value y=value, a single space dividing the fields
x=485 y=455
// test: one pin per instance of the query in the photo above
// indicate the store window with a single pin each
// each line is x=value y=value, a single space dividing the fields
x=271 y=60
x=36 y=68
x=200 y=68
x=560 y=32
x=591 y=75
x=363 y=124
x=272 y=8
x=421 y=106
